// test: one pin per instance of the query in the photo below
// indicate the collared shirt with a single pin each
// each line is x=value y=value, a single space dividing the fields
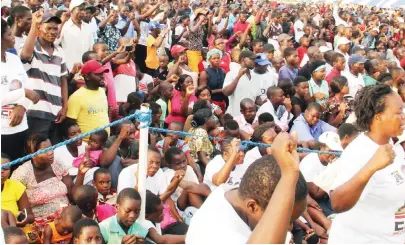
x=307 y=132
x=281 y=117
x=113 y=233
x=244 y=125
x=75 y=41
x=121 y=24
x=368 y=80
x=110 y=35
x=355 y=82
x=45 y=72
x=315 y=88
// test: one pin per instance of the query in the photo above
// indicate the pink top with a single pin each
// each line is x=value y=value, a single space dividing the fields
x=175 y=108
x=167 y=217
x=46 y=197
x=109 y=81
x=244 y=125
x=94 y=157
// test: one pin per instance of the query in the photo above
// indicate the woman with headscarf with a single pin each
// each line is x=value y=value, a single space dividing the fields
x=214 y=77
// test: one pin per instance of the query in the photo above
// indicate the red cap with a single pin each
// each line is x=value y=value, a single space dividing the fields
x=177 y=49
x=403 y=63
x=93 y=66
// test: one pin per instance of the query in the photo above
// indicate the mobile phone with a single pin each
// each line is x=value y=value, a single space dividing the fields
x=128 y=48
x=22 y=216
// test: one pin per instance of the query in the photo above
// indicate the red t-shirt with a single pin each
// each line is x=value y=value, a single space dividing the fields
x=333 y=73
x=240 y=27
x=225 y=62
x=301 y=52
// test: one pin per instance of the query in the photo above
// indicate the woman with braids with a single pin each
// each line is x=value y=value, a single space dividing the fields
x=368 y=192
x=48 y=184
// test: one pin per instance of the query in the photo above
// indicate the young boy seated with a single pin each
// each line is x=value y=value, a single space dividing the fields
x=189 y=192
x=86 y=231
x=154 y=213
x=60 y=230
x=123 y=227
x=14 y=235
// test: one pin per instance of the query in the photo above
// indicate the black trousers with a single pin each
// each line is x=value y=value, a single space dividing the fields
x=45 y=127
x=140 y=57
x=13 y=145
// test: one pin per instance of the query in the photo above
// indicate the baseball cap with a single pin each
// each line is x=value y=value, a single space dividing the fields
x=93 y=66
x=331 y=140
x=356 y=58
x=324 y=49
x=247 y=54
x=48 y=16
x=283 y=37
x=75 y=3
x=154 y=25
x=262 y=60
x=343 y=40
x=268 y=47
x=376 y=29
x=177 y=49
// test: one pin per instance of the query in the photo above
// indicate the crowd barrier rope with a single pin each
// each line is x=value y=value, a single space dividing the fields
x=145 y=117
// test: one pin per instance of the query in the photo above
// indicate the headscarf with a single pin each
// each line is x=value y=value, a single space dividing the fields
x=212 y=52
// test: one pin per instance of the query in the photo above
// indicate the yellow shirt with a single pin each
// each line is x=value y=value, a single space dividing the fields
x=89 y=108
x=10 y=195
x=151 y=61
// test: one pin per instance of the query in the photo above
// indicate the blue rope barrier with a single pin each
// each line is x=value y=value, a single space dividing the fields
x=140 y=116
x=243 y=142
x=146 y=116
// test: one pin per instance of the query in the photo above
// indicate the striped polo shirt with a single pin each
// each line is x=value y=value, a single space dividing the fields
x=45 y=72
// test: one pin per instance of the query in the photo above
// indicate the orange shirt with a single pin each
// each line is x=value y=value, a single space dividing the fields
x=57 y=238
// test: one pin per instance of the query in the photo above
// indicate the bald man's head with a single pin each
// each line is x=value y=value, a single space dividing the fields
x=245 y=103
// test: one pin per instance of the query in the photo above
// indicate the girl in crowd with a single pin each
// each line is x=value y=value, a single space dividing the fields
x=338 y=107
x=201 y=147
x=183 y=95
x=86 y=231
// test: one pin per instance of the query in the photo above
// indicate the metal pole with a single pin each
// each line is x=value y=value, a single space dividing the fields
x=143 y=161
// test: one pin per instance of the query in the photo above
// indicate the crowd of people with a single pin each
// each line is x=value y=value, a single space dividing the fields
x=328 y=77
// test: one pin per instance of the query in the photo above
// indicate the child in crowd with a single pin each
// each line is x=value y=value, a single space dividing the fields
x=339 y=65
x=123 y=228
x=14 y=235
x=154 y=213
x=60 y=230
x=86 y=198
x=160 y=74
x=303 y=49
x=86 y=231
x=94 y=149
x=102 y=183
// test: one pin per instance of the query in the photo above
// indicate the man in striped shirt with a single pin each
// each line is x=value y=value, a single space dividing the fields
x=47 y=72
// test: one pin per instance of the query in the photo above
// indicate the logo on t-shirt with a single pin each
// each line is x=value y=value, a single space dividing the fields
x=398 y=177
x=400 y=221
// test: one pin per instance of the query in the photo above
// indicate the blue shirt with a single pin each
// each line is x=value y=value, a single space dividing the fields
x=307 y=132
x=121 y=24
x=287 y=72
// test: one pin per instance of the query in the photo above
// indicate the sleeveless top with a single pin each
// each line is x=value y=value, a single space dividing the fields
x=216 y=80
x=57 y=238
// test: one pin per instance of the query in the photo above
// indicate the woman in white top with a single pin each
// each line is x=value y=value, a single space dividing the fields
x=14 y=98
x=369 y=192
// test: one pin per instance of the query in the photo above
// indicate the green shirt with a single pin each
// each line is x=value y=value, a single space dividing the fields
x=368 y=81
x=163 y=106
x=113 y=233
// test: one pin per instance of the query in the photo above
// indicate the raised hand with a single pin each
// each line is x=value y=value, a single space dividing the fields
x=382 y=158
x=284 y=149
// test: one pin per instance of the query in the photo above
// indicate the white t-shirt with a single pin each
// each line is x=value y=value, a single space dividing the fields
x=19 y=41
x=265 y=81
x=246 y=88
x=13 y=81
x=251 y=156
x=311 y=167
x=127 y=179
x=326 y=178
x=298 y=34
x=217 y=222
x=355 y=83
x=190 y=176
x=143 y=25
x=63 y=156
x=379 y=215
x=214 y=166
x=179 y=29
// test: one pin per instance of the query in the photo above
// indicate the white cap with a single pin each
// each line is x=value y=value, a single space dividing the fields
x=376 y=29
x=324 y=49
x=75 y=3
x=331 y=140
x=343 y=40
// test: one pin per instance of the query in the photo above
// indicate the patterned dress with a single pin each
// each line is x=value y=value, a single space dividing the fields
x=197 y=144
x=332 y=108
